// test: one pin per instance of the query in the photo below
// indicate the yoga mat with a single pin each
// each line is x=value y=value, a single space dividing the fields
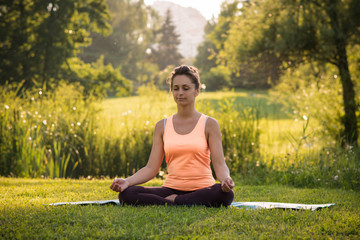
x=246 y=205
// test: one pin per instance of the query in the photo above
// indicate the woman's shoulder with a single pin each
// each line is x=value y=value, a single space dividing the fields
x=211 y=121
x=160 y=124
x=211 y=124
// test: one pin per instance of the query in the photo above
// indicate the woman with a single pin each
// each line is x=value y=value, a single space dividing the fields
x=187 y=139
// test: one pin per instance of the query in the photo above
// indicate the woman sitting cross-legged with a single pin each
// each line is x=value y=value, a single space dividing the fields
x=187 y=139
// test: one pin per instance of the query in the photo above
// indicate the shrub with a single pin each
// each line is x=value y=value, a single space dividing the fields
x=218 y=78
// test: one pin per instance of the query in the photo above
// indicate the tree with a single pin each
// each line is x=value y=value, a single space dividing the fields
x=126 y=46
x=207 y=51
x=166 y=52
x=37 y=37
x=302 y=30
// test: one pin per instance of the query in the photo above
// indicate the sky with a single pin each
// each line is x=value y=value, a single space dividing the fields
x=208 y=8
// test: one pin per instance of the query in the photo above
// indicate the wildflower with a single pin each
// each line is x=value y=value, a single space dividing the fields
x=74 y=108
x=75 y=136
x=252 y=144
x=29 y=138
x=78 y=123
x=6 y=106
x=336 y=178
x=257 y=163
x=305 y=118
x=147 y=123
x=40 y=92
x=335 y=76
x=161 y=173
x=318 y=179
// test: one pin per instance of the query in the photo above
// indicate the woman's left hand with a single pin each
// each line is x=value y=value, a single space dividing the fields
x=227 y=185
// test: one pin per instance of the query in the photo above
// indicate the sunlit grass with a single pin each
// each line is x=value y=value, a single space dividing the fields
x=25 y=214
x=276 y=125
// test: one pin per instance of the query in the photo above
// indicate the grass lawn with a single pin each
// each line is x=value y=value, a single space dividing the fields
x=25 y=215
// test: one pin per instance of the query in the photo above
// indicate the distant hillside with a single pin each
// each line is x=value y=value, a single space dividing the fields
x=189 y=24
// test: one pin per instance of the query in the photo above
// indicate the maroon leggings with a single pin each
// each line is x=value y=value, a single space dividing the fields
x=211 y=196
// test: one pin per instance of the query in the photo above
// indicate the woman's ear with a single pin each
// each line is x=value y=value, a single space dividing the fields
x=197 y=92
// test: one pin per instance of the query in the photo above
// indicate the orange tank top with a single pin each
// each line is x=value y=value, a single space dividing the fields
x=187 y=157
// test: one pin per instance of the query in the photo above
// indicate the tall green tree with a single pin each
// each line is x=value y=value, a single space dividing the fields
x=297 y=31
x=126 y=46
x=166 y=51
x=206 y=51
x=37 y=37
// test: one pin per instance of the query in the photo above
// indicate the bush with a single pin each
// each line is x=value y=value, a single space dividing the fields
x=317 y=96
x=217 y=79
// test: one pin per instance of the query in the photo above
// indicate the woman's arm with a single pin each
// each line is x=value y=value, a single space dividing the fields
x=213 y=134
x=152 y=167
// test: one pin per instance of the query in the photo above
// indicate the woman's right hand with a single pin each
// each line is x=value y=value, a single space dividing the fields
x=119 y=185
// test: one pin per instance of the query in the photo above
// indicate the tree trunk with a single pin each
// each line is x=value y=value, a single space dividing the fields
x=349 y=120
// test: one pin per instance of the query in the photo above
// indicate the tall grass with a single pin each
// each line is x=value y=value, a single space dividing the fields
x=64 y=135
x=44 y=135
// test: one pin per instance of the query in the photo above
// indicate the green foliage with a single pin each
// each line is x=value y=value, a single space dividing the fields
x=331 y=167
x=39 y=36
x=62 y=135
x=25 y=214
x=291 y=33
x=261 y=144
x=126 y=46
x=98 y=79
x=44 y=134
x=161 y=79
x=166 y=52
x=217 y=78
x=206 y=51
x=316 y=93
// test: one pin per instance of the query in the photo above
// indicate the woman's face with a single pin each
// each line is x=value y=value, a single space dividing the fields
x=184 y=91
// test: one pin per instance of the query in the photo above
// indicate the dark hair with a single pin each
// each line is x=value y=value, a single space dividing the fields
x=190 y=71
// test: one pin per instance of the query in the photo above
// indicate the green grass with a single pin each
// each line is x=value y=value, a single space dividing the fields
x=25 y=214
x=276 y=124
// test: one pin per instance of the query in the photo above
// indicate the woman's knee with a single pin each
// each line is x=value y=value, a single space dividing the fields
x=225 y=198
x=128 y=195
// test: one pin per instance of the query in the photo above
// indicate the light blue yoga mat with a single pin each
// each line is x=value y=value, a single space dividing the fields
x=246 y=205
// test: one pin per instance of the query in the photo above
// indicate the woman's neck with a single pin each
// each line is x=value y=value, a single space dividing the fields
x=186 y=111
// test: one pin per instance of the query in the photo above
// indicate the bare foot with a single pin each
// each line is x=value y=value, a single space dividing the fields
x=171 y=197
